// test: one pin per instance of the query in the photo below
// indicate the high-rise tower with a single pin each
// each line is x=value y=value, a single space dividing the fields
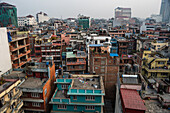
x=165 y=10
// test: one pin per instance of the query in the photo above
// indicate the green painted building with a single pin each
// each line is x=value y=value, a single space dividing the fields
x=80 y=93
x=8 y=15
x=84 y=22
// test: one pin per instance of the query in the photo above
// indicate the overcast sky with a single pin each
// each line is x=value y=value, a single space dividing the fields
x=92 y=8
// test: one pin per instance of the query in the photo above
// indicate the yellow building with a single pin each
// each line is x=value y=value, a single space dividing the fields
x=156 y=45
x=155 y=65
x=10 y=96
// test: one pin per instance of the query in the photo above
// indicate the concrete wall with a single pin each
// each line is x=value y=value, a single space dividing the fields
x=5 y=58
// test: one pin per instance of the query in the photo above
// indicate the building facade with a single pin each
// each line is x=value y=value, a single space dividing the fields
x=10 y=101
x=165 y=10
x=76 y=62
x=27 y=21
x=8 y=15
x=80 y=93
x=122 y=13
x=19 y=50
x=5 y=58
x=154 y=65
x=84 y=22
x=38 y=87
x=42 y=17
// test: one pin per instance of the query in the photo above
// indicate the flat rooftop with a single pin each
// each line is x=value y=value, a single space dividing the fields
x=87 y=83
x=33 y=83
x=60 y=94
x=15 y=75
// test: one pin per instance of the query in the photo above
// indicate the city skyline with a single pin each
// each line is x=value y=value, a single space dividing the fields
x=67 y=9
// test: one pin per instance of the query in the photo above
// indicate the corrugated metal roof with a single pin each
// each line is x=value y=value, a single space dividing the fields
x=132 y=100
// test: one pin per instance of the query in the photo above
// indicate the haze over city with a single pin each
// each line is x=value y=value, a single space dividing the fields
x=92 y=8
x=84 y=56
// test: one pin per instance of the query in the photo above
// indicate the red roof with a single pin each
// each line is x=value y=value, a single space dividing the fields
x=132 y=100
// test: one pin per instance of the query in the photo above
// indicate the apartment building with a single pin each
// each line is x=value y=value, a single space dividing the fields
x=38 y=87
x=76 y=62
x=48 y=47
x=10 y=101
x=122 y=45
x=27 y=21
x=106 y=65
x=156 y=45
x=155 y=65
x=80 y=93
x=122 y=13
x=42 y=17
x=117 y=33
x=20 y=50
x=84 y=22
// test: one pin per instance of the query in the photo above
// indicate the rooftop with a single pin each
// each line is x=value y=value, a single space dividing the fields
x=132 y=100
x=87 y=83
x=33 y=83
x=15 y=74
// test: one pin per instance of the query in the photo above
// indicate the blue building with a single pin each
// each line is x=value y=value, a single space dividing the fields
x=80 y=93
x=114 y=47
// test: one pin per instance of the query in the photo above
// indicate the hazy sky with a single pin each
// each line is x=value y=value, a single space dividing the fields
x=92 y=8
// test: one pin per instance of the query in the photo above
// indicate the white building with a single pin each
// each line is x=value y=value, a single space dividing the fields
x=146 y=27
x=28 y=20
x=95 y=40
x=5 y=59
x=42 y=17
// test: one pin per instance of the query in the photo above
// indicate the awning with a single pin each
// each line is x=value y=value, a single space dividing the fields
x=113 y=54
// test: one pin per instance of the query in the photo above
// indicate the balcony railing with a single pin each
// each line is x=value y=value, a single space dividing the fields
x=76 y=63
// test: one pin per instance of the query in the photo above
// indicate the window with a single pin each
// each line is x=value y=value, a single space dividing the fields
x=75 y=107
x=160 y=62
x=35 y=94
x=89 y=107
x=74 y=97
x=96 y=59
x=62 y=107
x=102 y=70
x=65 y=86
x=90 y=97
x=45 y=91
x=25 y=104
x=35 y=104
x=96 y=68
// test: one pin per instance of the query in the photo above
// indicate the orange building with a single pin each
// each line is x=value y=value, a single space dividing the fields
x=38 y=87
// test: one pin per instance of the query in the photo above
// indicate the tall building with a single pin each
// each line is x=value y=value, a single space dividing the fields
x=20 y=51
x=122 y=13
x=5 y=58
x=8 y=15
x=165 y=10
x=84 y=22
x=38 y=87
x=42 y=17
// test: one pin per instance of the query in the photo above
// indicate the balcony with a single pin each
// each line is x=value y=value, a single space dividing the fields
x=76 y=69
x=161 y=69
x=76 y=63
x=15 y=65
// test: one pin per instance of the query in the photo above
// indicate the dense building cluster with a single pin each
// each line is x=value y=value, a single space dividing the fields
x=84 y=65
